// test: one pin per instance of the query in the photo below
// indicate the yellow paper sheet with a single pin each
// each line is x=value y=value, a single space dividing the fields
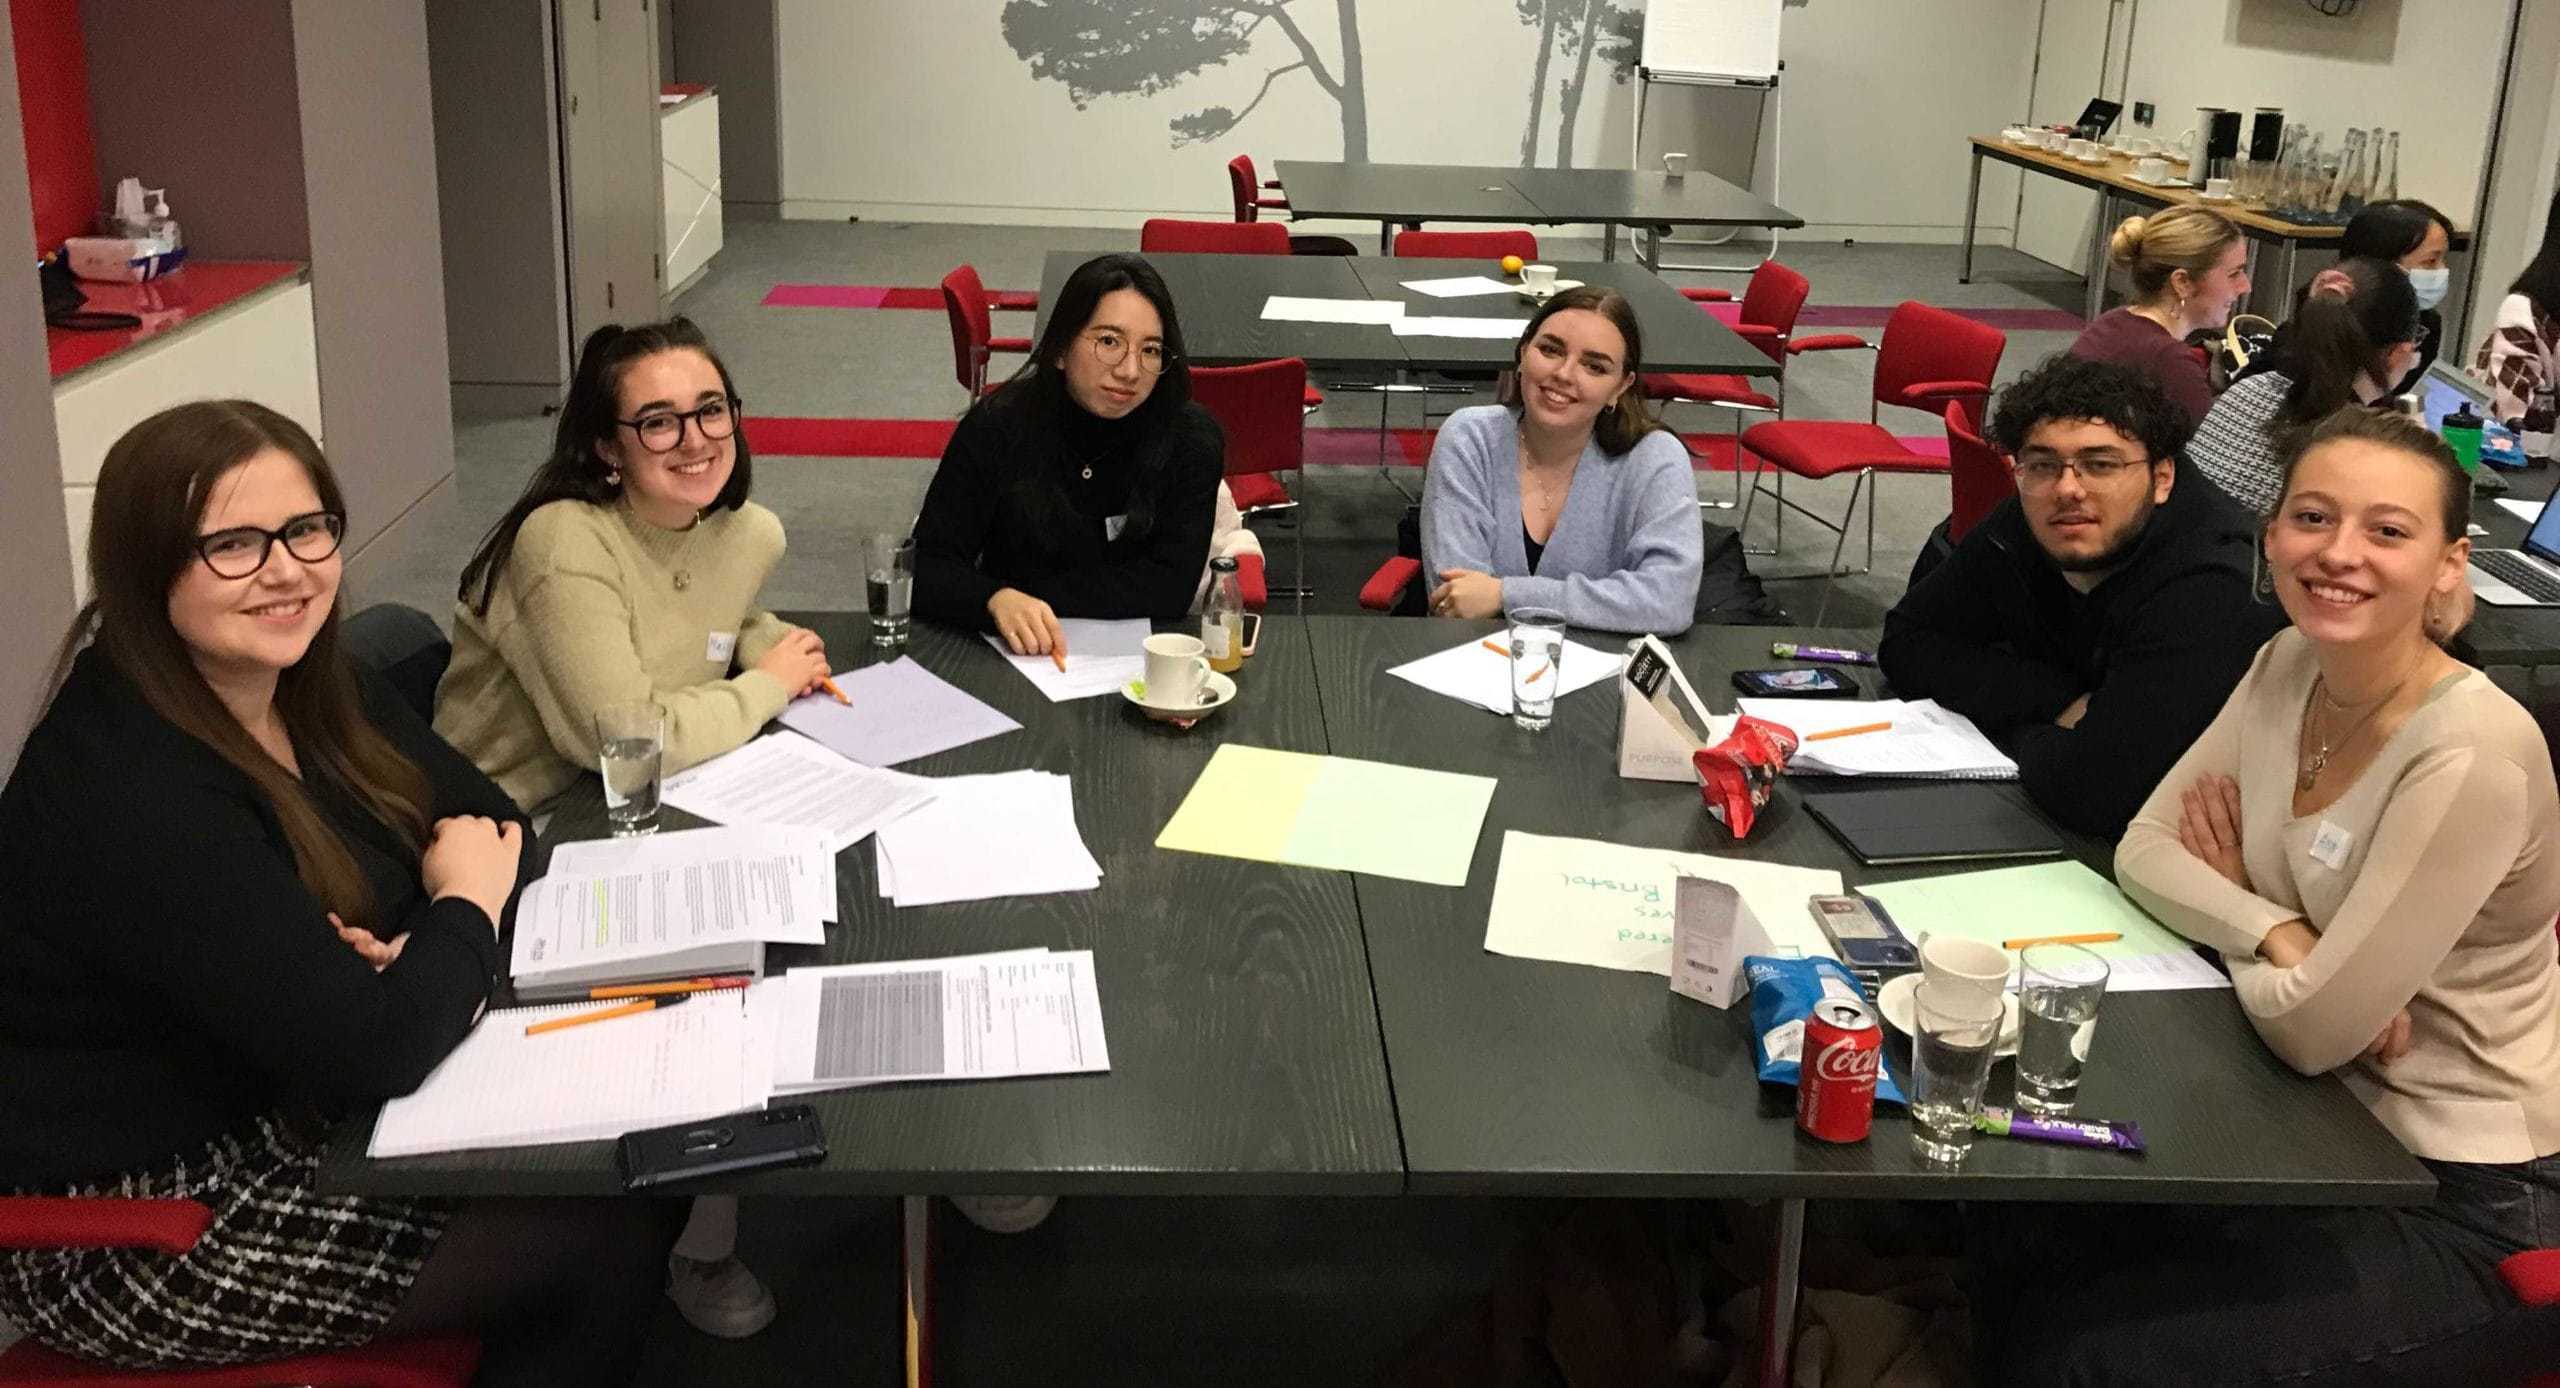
x=1583 y=901
x=1333 y=812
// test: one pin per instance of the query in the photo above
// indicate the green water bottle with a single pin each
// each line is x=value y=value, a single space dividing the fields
x=2461 y=432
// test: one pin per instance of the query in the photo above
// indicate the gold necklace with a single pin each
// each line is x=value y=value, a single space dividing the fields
x=2319 y=762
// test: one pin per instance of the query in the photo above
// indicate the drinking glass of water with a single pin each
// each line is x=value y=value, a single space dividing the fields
x=1955 y=1030
x=631 y=743
x=889 y=566
x=2058 y=991
x=1537 y=655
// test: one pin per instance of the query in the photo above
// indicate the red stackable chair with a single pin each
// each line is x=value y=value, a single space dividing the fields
x=173 y=1226
x=1245 y=191
x=2534 y=1275
x=1769 y=311
x=1926 y=359
x=1163 y=235
x=1258 y=408
x=973 y=339
x=1978 y=475
x=1466 y=245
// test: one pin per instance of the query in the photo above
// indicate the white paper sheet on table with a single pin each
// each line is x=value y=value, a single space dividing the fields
x=1925 y=740
x=1460 y=287
x=1283 y=308
x=610 y=901
x=1583 y=901
x=984 y=1016
x=791 y=780
x=899 y=711
x=1480 y=674
x=1009 y=834
x=502 y=1088
x=1504 y=329
x=2526 y=511
x=1101 y=657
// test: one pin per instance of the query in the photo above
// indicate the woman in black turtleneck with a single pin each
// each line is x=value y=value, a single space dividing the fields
x=1087 y=485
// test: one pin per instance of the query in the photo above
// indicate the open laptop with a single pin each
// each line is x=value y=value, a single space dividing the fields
x=2527 y=577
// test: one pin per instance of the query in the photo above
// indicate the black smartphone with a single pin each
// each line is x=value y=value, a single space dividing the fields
x=1874 y=948
x=786 y=1136
x=1804 y=682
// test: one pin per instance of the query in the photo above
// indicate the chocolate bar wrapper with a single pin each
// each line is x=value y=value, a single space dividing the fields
x=1738 y=775
x=2070 y=1132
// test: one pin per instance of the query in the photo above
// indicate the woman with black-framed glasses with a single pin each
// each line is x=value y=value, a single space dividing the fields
x=1087 y=485
x=629 y=572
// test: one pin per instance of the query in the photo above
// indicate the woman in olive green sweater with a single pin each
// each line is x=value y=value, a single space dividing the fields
x=629 y=571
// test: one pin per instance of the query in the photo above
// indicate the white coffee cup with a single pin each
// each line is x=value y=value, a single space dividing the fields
x=1953 y=961
x=2151 y=170
x=1538 y=279
x=2145 y=145
x=1676 y=165
x=2080 y=149
x=2054 y=140
x=1177 y=670
x=2013 y=135
x=2217 y=188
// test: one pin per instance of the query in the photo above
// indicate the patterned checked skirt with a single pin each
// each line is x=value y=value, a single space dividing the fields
x=281 y=1271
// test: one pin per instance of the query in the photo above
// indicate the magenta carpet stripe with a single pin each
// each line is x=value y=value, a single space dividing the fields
x=826 y=296
x=2014 y=320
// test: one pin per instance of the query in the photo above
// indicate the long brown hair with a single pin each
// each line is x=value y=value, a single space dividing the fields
x=1625 y=423
x=152 y=494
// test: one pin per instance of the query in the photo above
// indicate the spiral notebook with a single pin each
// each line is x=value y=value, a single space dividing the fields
x=1884 y=737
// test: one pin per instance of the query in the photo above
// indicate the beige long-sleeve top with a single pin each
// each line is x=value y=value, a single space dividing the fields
x=598 y=607
x=2432 y=884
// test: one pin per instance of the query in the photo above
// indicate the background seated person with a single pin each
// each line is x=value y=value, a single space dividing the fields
x=2189 y=266
x=2094 y=622
x=1568 y=495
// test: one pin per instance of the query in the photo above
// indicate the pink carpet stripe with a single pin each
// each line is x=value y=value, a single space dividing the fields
x=785 y=437
x=2013 y=320
x=825 y=296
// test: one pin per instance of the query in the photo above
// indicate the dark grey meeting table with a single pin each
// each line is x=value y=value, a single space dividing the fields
x=1394 y=194
x=1256 y=1012
x=1220 y=300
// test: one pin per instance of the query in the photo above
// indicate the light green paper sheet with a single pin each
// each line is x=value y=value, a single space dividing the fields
x=2060 y=898
x=1585 y=901
x=1333 y=812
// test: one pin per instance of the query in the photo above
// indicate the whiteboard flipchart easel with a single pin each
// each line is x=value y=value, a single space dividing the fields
x=1714 y=43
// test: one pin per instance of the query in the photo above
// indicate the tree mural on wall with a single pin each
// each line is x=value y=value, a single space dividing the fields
x=1144 y=47
x=1575 y=30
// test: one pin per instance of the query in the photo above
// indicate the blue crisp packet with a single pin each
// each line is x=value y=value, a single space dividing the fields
x=1783 y=992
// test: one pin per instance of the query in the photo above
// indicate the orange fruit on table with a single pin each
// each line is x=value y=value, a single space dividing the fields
x=1511 y=265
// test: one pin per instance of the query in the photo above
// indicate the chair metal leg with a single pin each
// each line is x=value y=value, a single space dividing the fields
x=1831 y=571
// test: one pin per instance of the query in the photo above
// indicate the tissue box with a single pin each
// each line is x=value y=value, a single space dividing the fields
x=1662 y=723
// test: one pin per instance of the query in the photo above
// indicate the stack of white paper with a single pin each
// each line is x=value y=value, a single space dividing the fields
x=1459 y=287
x=1884 y=737
x=984 y=1016
x=1283 y=308
x=1479 y=671
x=1503 y=329
x=502 y=1088
x=790 y=780
x=1101 y=657
x=896 y=712
x=1009 y=834
x=696 y=901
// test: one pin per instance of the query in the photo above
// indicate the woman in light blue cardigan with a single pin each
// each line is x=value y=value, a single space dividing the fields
x=1568 y=495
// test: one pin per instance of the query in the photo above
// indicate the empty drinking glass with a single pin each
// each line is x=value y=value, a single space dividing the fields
x=631 y=743
x=2058 y=991
x=1954 y=1033
x=889 y=567
x=1537 y=655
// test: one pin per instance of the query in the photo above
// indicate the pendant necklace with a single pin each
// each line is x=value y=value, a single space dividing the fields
x=2320 y=727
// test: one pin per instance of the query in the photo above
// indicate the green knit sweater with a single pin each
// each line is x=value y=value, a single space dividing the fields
x=595 y=607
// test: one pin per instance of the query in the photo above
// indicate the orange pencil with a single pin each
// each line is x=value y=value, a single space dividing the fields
x=628 y=1009
x=1852 y=732
x=673 y=985
x=1505 y=652
x=2094 y=937
x=830 y=686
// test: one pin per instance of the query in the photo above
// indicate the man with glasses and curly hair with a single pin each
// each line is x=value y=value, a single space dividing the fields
x=2093 y=624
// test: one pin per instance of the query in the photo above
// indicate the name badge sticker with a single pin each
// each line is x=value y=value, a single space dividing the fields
x=2329 y=846
x=1112 y=526
x=721 y=646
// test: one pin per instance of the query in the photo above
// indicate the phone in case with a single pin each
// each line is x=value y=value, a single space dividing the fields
x=1796 y=682
x=1873 y=947
x=786 y=1136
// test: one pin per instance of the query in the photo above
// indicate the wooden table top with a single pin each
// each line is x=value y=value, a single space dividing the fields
x=2117 y=174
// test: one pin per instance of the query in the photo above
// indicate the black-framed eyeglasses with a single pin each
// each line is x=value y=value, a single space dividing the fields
x=1111 y=349
x=2095 y=469
x=242 y=550
x=660 y=431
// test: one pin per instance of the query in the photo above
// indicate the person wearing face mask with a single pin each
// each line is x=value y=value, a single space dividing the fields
x=2352 y=336
x=2520 y=358
x=2416 y=237
x=2188 y=266
x=2366 y=831
x=2092 y=623
x=1086 y=486
x=1568 y=495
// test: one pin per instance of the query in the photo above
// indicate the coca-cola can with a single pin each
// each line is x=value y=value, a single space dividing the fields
x=1836 y=1087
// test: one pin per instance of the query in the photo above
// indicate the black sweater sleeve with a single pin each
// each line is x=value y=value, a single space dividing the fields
x=1946 y=641
x=951 y=530
x=2169 y=671
x=1157 y=573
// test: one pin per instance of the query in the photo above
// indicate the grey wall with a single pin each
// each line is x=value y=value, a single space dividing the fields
x=200 y=99
x=732 y=45
x=35 y=554
x=498 y=183
x=377 y=267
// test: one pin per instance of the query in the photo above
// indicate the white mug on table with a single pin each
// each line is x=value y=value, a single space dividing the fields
x=1675 y=164
x=1538 y=279
x=1177 y=670
x=1952 y=961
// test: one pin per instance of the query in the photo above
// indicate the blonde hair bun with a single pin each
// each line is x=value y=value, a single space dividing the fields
x=2124 y=249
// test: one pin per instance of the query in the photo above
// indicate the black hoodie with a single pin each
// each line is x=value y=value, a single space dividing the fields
x=1997 y=634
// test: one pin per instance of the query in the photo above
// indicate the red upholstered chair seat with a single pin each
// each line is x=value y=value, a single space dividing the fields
x=1828 y=447
x=1253 y=490
x=1706 y=389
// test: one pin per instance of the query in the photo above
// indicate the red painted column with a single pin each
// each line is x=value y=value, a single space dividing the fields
x=53 y=105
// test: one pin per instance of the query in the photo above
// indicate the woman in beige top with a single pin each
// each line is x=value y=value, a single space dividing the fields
x=2366 y=832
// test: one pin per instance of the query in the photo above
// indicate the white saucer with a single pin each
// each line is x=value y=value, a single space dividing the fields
x=1535 y=297
x=1219 y=692
x=1895 y=1000
x=2208 y=197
